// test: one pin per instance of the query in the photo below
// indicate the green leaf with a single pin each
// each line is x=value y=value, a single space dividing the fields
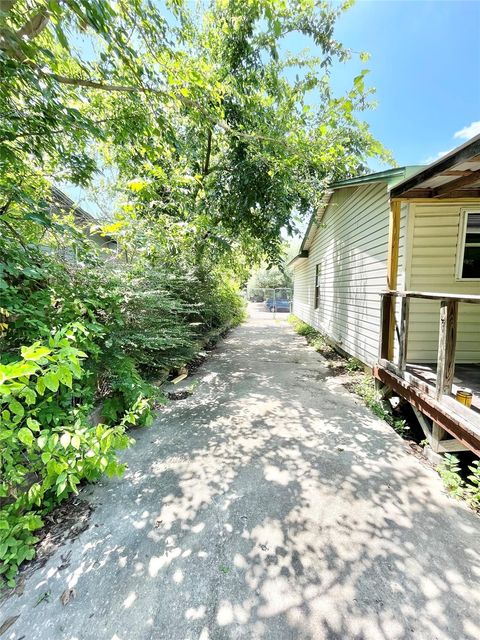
x=51 y=381
x=33 y=424
x=25 y=436
x=40 y=386
x=16 y=408
x=61 y=487
x=16 y=370
x=75 y=442
x=35 y=352
x=65 y=440
x=65 y=375
x=29 y=395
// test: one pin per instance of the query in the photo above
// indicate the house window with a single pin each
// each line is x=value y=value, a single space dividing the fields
x=469 y=268
x=317 y=286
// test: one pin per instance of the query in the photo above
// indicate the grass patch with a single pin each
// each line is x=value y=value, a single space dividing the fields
x=316 y=340
x=365 y=388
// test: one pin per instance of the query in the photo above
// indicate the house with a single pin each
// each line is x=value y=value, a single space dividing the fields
x=62 y=205
x=389 y=271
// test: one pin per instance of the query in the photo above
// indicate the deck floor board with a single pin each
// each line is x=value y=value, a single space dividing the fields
x=466 y=376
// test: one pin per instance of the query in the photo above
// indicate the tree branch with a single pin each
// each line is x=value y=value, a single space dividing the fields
x=14 y=232
x=35 y=25
x=208 y=153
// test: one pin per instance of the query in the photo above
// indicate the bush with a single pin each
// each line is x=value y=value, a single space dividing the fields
x=169 y=316
x=353 y=364
x=96 y=335
x=469 y=489
x=47 y=445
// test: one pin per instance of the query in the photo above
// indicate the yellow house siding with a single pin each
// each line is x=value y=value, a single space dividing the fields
x=436 y=241
x=351 y=248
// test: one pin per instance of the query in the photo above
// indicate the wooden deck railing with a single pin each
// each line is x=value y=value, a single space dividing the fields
x=447 y=332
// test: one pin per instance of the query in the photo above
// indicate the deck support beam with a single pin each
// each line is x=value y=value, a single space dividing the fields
x=438 y=445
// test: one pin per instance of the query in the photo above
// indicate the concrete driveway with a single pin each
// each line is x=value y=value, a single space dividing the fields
x=270 y=504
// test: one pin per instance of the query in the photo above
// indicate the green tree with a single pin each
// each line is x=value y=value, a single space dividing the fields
x=197 y=111
x=270 y=278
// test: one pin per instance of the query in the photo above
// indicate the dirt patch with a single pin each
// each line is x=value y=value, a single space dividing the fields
x=65 y=523
x=178 y=395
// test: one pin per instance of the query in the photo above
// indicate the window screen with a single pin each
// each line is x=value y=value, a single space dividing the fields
x=317 y=285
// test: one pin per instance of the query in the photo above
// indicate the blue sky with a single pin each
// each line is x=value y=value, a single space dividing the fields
x=425 y=65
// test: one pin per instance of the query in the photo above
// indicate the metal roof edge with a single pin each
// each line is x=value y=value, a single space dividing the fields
x=301 y=255
x=388 y=175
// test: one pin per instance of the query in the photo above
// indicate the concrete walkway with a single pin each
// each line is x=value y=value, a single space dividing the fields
x=270 y=504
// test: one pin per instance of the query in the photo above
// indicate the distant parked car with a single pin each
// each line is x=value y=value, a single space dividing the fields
x=280 y=304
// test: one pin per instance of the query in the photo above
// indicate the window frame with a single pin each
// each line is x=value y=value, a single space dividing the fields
x=317 y=286
x=462 y=242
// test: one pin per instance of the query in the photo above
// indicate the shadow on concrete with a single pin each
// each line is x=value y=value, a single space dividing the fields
x=269 y=505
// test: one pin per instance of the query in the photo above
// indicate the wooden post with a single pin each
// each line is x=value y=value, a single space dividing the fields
x=403 y=337
x=392 y=268
x=385 y=305
x=447 y=340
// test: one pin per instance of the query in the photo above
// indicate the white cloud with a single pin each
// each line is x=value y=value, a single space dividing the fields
x=431 y=159
x=468 y=132
x=463 y=134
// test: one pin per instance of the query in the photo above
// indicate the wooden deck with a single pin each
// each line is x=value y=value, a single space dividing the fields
x=435 y=415
x=465 y=375
x=431 y=388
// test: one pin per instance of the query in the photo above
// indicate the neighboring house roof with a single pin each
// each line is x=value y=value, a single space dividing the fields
x=390 y=176
x=454 y=175
x=61 y=204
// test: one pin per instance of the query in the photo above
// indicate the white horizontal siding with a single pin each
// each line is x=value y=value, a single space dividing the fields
x=351 y=248
x=435 y=245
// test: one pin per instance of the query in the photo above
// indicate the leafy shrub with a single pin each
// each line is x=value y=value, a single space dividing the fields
x=121 y=387
x=96 y=335
x=47 y=445
x=450 y=472
x=168 y=316
x=473 y=486
x=41 y=293
x=155 y=331
x=353 y=364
